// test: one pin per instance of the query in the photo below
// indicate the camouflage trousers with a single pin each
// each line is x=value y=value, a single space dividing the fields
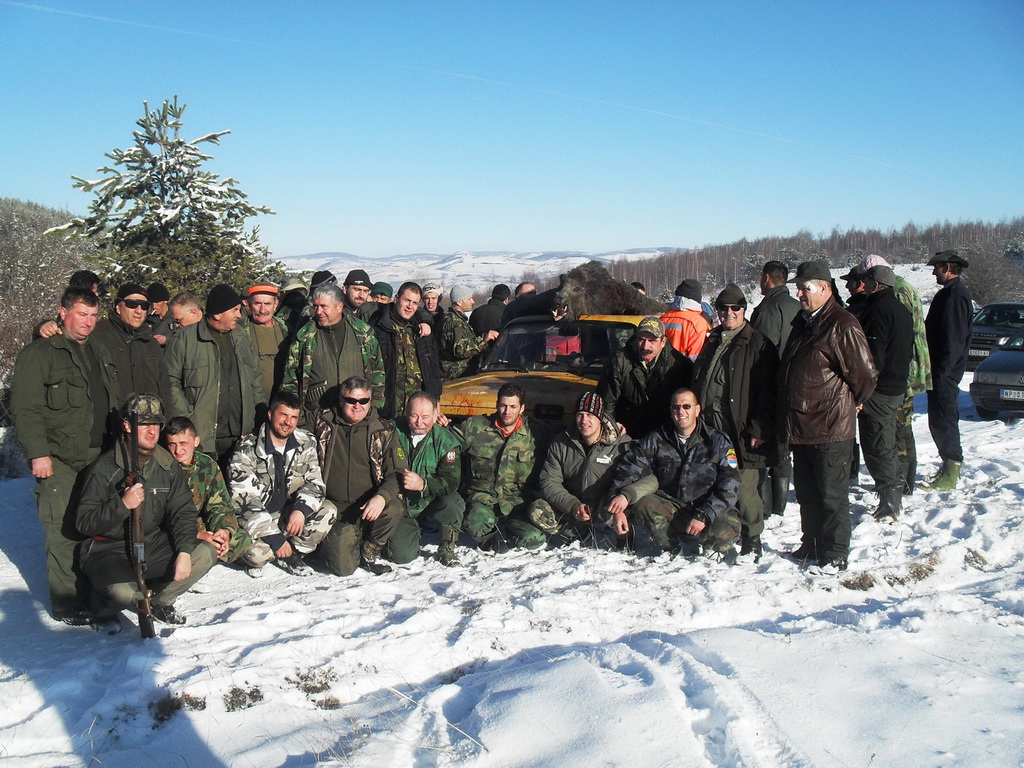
x=666 y=521
x=482 y=523
x=314 y=531
x=906 y=447
x=404 y=544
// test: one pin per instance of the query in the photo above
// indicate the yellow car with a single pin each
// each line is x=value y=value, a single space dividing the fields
x=554 y=362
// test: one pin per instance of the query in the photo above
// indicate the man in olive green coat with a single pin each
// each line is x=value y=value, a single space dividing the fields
x=215 y=375
x=63 y=395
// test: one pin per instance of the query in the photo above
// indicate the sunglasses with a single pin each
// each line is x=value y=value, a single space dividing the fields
x=135 y=303
x=356 y=400
x=731 y=307
x=684 y=406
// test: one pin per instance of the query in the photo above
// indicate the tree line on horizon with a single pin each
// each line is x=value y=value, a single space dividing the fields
x=994 y=250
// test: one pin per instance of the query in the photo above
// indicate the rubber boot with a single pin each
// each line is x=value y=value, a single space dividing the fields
x=947 y=478
x=780 y=493
x=446 y=547
x=890 y=503
x=911 y=478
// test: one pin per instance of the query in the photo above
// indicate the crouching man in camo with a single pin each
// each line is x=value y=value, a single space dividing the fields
x=499 y=453
x=681 y=482
x=218 y=525
x=278 y=491
x=175 y=558
x=362 y=462
x=431 y=483
x=577 y=471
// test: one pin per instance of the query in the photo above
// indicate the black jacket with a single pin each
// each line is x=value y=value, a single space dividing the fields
x=488 y=317
x=137 y=357
x=948 y=327
x=639 y=398
x=889 y=327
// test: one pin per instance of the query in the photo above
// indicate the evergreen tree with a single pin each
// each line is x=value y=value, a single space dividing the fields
x=158 y=215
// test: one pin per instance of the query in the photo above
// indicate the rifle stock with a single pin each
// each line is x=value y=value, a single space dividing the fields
x=136 y=537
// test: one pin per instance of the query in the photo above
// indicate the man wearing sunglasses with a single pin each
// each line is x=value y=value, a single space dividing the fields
x=681 y=482
x=362 y=463
x=734 y=378
x=129 y=341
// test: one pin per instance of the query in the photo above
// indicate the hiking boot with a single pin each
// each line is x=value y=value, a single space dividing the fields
x=751 y=545
x=110 y=625
x=626 y=542
x=167 y=614
x=370 y=559
x=446 y=547
x=727 y=556
x=946 y=478
x=76 y=616
x=294 y=564
x=838 y=563
x=803 y=553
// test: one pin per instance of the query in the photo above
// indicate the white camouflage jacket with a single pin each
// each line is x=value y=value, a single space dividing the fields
x=252 y=480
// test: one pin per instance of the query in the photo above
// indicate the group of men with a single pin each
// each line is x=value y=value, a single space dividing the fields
x=265 y=438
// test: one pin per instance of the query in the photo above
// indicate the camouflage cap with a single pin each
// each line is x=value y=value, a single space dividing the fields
x=651 y=325
x=147 y=409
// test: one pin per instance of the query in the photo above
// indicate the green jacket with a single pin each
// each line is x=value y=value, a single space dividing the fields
x=193 y=364
x=460 y=346
x=921 y=364
x=52 y=404
x=300 y=359
x=437 y=459
x=496 y=469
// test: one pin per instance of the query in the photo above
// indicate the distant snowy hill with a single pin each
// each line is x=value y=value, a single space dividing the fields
x=477 y=269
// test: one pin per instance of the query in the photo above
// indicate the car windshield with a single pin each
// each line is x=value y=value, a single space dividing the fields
x=1001 y=316
x=536 y=345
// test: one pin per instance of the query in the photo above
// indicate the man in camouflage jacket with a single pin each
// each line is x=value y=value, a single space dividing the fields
x=680 y=481
x=217 y=522
x=326 y=352
x=461 y=348
x=499 y=454
x=278 y=491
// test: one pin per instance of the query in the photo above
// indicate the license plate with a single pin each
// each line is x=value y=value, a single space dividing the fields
x=1011 y=394
x=978 y=352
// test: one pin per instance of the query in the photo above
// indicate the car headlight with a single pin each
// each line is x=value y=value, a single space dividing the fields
x=984 y=378
x=1002 y=340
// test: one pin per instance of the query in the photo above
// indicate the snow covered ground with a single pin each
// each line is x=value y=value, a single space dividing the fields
x=568 y=657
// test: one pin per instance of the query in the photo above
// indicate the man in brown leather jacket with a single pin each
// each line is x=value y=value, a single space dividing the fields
x=826 y=373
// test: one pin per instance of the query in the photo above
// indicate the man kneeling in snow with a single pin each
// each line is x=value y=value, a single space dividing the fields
x=681 y=482
x=279 y=491
x=175 y=558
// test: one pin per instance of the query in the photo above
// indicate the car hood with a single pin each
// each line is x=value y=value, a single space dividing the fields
x=1002 y=361
x=550 y=395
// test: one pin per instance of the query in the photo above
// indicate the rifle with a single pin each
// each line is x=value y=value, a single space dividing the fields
x=136 y=538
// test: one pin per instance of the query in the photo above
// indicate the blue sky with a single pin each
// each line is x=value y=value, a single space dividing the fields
x=381 y=128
